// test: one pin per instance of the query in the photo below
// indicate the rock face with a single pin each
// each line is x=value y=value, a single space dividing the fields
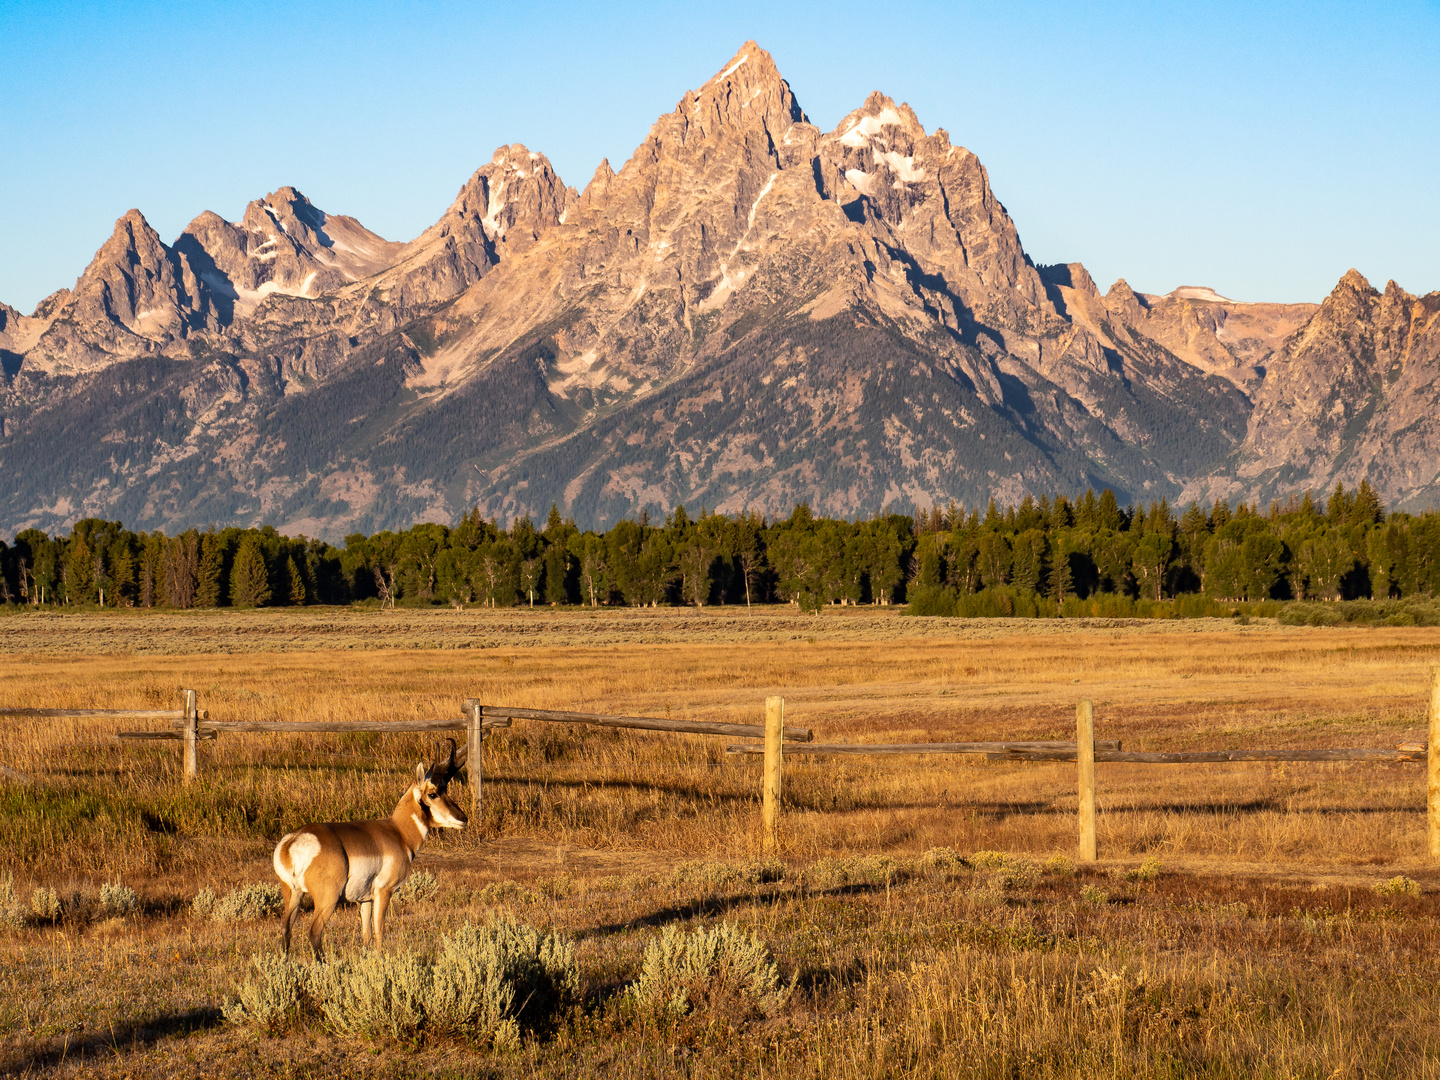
x=283 y=245
x=1351 y=395
x=749 y=313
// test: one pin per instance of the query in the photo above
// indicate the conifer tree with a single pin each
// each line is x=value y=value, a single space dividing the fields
x=295 y=582
x=249 y=579
x=212 y=563
x=1061 y=583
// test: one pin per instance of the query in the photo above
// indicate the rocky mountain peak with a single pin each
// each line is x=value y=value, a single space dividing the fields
x=501 y=211
x=748 y=88
x=597 y=187
x=1121 y=299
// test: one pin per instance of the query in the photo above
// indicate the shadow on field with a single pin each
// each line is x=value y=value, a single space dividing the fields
x=48 y=1053
x=718 y=905
x=1252 y=806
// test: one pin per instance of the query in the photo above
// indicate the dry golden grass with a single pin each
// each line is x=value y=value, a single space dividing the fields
x=994 y=979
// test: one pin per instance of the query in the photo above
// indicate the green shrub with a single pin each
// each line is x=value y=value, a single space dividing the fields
x=247 y=902
x=273 y=997
x=117 y=899
x=45 y=903
x=720 y=970
x=1399 y=885
x=720 y=875
x=487 y=983
x=558 y=886
x=1060 y=866
x=1148 y=870
x=940 y=862
x=1094 y=896
x=931 y=600
x=497 y=892
x=203 y=906
x=372 y=993
x=1410 y=611
x=418 y=887
x=834 y=873
x=503 y=972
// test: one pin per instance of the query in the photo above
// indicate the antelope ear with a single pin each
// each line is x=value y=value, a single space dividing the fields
x=420 y=771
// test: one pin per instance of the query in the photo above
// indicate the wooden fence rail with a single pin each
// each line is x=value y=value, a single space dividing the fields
x=646 y=723
x=193 y=725
x=997 y=749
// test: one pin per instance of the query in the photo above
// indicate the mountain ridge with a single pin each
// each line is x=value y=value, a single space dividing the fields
x=751 y=312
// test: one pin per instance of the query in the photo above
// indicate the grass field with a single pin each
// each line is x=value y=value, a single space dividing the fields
x=1254 y=943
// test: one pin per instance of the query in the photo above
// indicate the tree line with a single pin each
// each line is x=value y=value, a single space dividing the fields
x=1029 y=558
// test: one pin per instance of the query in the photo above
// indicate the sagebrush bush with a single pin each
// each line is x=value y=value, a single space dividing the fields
x=247 y=902
x=273 y=997
x=117 y=899
x=711 y=875
x=1060 y=866
x=1094 y=896
x=850 y=870
x=939 y=862
x=418 y=887
x=487 y=983
x=373 y=993
x=203 y=906
x=1400 y=885
x=498 y=892
x=1148 y=870
x=505 y=970
x=45 y=903
x=720 y=970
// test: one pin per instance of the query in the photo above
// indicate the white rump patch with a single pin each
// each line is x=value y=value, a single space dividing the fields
x=302 y=850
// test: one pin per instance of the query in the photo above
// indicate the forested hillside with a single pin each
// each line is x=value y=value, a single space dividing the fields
x=1038 y=558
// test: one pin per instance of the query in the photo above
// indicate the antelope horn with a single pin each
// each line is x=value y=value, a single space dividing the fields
x=445 y=759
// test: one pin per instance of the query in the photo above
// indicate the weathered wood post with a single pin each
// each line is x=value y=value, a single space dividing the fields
x=190 y=733
x=474 y=713
x=1432 y=766
x=1085 y=760
x=770 y=788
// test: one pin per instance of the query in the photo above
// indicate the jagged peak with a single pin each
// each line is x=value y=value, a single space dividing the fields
x=1393 y=291
x=1072 y=275
x=872 y=118
x=748 y=75
x=130 y=223
x=1352 y=280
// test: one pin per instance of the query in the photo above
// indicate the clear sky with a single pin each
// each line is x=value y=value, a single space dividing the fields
x=1260 y=149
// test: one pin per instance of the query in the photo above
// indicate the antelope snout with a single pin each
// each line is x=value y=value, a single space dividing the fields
x=447 y=815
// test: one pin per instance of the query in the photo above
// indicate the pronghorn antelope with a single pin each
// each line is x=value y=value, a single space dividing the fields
x=364 y=861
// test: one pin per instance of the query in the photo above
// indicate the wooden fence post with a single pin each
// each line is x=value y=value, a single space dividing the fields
x=474 y=733
x=190 y=734
x=1085 y=758
x=770 y=788
x=1432 y=766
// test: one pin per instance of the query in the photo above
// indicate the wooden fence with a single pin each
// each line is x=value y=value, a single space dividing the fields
x=193 y=725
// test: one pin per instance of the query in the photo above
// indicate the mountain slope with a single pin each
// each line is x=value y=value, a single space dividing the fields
x=749 y=313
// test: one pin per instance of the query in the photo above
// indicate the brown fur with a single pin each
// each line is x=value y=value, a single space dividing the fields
x=367 y=860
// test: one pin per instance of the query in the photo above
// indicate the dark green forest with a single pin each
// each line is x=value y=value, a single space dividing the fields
x=1043 y=558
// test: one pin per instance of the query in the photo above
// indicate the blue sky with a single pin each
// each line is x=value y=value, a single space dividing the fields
x=1261 y=149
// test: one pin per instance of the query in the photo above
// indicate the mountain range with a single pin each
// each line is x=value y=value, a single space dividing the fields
x=750 y=313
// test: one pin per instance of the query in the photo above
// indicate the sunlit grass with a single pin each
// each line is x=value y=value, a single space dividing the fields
x=1262 y=948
